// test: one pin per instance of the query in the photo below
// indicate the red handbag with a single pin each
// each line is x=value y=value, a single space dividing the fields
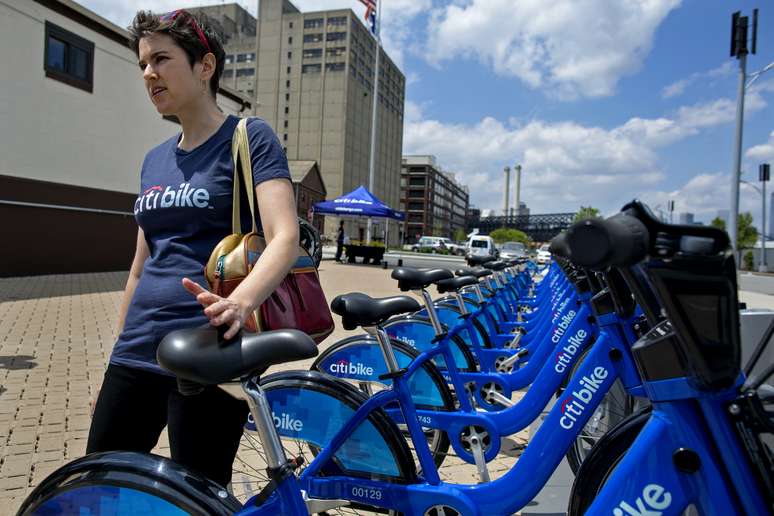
x=299 y=301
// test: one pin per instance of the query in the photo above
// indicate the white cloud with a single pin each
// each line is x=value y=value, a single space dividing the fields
x=763 y=152
x=679 y=87
x=688 y=120
x=704 y=195
x=568 y=47
x=567 y=164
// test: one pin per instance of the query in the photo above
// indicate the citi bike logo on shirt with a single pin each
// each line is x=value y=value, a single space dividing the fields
x=653 y=501
x=561 y=327
x=574 y=405
x=154 y=198
x=567 y=352
x=354 y=368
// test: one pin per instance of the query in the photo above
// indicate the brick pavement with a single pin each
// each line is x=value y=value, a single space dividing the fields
x=56 y=334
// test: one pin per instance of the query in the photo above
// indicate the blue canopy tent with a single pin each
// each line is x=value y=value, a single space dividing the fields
x=358 y=203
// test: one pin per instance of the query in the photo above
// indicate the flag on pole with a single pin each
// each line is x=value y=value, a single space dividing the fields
x=370 y=15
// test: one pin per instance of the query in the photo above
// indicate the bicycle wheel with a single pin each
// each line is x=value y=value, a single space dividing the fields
x=127 y=483
x=603 y=459
x=614 y=408
x=418 y=333
x=359 y=360
x=309 y=408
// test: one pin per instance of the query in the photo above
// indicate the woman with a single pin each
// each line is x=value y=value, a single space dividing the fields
x=183 y=211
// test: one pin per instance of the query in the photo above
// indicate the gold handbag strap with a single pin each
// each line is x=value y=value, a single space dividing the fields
x=240 y=155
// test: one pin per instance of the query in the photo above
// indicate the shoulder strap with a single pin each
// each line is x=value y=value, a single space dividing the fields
x=240 y=155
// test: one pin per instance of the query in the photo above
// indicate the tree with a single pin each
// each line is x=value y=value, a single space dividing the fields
x=509 y=235
x=586 y=212
x=746 y=234
x=460 y=235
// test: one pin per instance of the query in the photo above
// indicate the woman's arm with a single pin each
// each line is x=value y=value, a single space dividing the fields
x=277 y=209
x=141 y=253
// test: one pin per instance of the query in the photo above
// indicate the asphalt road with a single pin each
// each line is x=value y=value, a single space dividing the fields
x=415 y=259
x=761 y=283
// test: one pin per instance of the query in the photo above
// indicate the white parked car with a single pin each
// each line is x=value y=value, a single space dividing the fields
x=481 y=245
x=543 y=255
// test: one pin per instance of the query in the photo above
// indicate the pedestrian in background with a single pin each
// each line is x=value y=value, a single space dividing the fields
x=340 y=241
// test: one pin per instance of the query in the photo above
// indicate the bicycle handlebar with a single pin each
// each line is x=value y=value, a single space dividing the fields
x=618 y=241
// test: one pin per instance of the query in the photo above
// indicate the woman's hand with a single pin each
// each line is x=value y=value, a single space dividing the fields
x=220 y=310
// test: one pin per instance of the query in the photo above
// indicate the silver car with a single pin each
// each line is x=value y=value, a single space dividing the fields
x=510 y=250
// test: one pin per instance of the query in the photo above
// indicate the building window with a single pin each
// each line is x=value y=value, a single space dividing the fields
x=228 y=74
x=284 y=137
x=335 y=51
x=313 y=23
x=337 y=20
x=335 y=67
x=290 y=56
x=69 y=58
x=313 y=38
x=248 y=57
x=286 y=123
x=290 y=25
x=229 y=58
x=245 y=72
x=312 y=53
x=336 y=36
x=288 y=70
x=290 y=40
x=285 y=150
x=311 y=68
x=287 y=96
x=287 y=83
x=250 y=93
x=287 y=110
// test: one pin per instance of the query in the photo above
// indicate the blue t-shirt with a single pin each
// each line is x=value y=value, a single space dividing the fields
x=184 y=208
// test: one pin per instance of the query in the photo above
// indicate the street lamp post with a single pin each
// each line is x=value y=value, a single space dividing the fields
x=739 y=26
x=671 y=209
x=763 y=176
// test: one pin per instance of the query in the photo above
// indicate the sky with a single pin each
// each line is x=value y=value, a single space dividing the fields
x=600 y=101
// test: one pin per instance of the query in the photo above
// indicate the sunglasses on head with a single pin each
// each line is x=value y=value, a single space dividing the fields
x=171 y=17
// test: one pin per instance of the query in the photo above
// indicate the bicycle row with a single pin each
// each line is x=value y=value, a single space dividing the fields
x=634 y=329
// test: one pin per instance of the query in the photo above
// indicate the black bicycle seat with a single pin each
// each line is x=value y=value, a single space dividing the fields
x=410 y=278
x=495 y=266
x=478 y=272
x=357 y=309
x=454 y=284
x=480 y=260
x=203 y=356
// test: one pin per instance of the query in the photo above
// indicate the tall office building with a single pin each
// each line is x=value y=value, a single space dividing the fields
x=686 y=218
x=315 y=74
x=236 y=28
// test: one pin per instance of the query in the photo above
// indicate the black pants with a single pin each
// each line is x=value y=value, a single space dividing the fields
x=339 y=250
x=134 y=406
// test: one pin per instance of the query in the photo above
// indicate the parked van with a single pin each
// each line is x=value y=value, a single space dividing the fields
x=481 y=245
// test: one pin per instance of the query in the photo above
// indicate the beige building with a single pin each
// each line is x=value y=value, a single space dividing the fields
x=236 y=28
x=76 y=124
x=315 y=74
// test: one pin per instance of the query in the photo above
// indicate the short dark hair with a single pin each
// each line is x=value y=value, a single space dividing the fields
x=183 y=33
